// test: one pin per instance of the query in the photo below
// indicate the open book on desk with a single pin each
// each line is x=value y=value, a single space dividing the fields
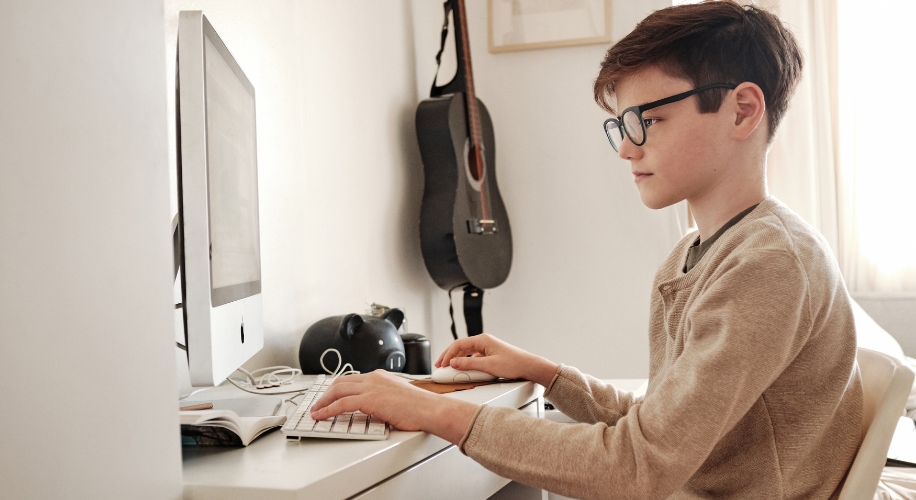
x=231 y=422
x=224 y=427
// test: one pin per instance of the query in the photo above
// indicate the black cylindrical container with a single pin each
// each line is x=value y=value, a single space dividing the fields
x=416 y=348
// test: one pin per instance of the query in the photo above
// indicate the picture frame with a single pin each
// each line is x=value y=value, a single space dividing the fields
x=514 y=25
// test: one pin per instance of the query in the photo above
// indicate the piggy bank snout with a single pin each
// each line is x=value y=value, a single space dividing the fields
x=393 y=360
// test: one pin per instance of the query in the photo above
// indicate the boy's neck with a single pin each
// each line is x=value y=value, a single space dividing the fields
x=730 y=197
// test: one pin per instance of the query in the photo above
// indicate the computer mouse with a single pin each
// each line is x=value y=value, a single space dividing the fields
x=449 y=375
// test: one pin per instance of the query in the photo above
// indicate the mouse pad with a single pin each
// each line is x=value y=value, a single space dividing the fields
x=431 y=386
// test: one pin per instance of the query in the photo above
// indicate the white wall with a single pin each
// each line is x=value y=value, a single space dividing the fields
x=87 y=404
x=337 y=86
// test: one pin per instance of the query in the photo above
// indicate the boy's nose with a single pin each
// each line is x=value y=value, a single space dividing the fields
x=628 y=150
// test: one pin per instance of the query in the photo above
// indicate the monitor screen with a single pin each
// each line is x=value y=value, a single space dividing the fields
x=235 y=270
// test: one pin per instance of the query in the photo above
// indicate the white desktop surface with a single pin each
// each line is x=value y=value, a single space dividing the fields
x=273 y=468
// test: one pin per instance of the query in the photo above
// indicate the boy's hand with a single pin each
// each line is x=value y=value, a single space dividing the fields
x=394 y=400
x=491 y=355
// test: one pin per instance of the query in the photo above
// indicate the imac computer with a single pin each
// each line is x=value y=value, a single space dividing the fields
x=217 y=239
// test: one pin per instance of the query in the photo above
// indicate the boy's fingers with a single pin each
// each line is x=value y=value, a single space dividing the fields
x=480 y=363
x=461 y=347
x=449 y=353
x=349 y=403
x=339 y=389
x=353 y=377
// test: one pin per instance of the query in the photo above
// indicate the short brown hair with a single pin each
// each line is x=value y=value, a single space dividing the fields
x=710 y=42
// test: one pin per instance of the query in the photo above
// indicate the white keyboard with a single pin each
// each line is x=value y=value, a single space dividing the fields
x=350 y=425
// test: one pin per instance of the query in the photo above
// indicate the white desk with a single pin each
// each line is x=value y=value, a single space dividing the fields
x=406 y=465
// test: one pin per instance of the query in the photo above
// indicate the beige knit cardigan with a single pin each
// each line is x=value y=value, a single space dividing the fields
x=753 y=387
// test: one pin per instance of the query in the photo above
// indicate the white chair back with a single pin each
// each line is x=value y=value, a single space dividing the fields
x=886 y=384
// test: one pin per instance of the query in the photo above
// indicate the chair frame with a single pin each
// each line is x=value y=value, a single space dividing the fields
x=886 y=384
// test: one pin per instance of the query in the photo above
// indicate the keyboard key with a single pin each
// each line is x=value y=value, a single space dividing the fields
x=305 y=425
x=376 y=428
x=323 y=426
x=341 y=426
x=358 y=426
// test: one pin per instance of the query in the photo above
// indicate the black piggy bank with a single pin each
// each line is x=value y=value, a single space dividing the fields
x=366 y=342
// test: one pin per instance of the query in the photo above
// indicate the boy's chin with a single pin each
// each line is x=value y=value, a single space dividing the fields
x=656 y=202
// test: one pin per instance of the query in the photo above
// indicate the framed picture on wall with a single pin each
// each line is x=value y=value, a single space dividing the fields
x=538 y=24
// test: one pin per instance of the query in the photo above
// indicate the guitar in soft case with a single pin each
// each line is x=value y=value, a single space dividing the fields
x=465 y=235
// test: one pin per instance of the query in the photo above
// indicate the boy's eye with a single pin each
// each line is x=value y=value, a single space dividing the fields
x=649 y=121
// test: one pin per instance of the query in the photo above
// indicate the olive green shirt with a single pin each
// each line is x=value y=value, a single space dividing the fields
x=698 y=249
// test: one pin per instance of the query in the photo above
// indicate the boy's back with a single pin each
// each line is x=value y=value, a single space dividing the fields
x=762 y=331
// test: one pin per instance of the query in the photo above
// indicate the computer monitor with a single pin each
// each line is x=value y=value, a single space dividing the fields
x=219 y=262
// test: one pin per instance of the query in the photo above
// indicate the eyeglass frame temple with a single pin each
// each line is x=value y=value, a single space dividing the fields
x=654 y=104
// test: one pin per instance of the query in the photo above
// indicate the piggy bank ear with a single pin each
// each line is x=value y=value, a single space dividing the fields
x=349 y=324
x=395 y=317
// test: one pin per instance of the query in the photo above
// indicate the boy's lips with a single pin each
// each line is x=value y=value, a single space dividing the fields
x=640 y=175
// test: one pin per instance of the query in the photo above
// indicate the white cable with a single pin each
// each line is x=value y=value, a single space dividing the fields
x=271 y=377
x=233 y=382
x=346 y=369
x=342 y=369
x=247 y=374
x=186 y=396
x=268 y=380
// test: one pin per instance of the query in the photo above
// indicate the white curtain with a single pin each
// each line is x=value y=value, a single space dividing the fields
x=877 y=134
x=841 y=158
x=801 y=165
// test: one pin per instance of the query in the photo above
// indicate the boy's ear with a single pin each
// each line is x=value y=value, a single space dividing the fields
x=750 y=109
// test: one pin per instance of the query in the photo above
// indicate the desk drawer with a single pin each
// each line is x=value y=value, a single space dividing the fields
x=446 y=475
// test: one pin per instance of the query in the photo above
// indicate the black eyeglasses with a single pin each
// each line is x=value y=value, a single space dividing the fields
x=631 y=122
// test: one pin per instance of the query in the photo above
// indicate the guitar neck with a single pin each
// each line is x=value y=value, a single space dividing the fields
x=474 y=131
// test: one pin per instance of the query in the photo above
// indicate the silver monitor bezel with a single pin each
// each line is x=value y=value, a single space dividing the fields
x=216 y=320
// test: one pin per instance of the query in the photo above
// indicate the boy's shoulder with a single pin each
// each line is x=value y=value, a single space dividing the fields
x=773 y=226
x=771 y=231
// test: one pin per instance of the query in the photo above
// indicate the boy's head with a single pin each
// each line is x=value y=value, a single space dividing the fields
x=710 y=145
x=707 y=43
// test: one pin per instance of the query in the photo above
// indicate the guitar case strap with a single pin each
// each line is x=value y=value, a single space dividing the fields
x=473 y=310
x=457 y=83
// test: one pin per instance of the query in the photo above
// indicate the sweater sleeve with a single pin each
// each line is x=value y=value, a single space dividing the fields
x=744 y=329
x=587 y=399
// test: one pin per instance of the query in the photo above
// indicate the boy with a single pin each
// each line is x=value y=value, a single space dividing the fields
x=753 y=387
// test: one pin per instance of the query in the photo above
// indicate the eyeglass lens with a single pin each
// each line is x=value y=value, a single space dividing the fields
x=614 y=133
x=633 y=125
